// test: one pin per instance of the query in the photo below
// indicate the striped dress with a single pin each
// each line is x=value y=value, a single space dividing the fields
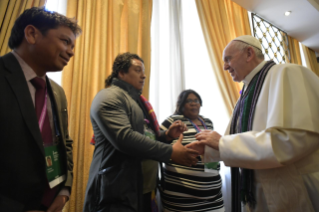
x=190 y=188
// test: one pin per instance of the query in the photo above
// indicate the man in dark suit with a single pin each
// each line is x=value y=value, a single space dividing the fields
x=33 y=114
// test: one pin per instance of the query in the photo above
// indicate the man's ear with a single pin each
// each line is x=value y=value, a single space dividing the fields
x=250 y=54
x=31 y=34
x=121 y=74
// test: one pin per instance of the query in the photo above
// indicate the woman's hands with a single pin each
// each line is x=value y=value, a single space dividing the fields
x=177 y=128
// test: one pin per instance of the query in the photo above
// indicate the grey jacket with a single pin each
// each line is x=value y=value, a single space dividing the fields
x=115 y=181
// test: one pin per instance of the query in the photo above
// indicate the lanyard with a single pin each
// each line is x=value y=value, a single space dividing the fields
x=196 y=127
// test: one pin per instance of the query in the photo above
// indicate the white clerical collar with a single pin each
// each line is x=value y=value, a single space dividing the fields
x=250 y=76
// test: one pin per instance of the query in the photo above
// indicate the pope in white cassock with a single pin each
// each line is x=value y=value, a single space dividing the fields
x=273 y=135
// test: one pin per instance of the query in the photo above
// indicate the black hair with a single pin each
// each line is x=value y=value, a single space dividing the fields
x=181 y=101
x=43 y=20
x=121 y=63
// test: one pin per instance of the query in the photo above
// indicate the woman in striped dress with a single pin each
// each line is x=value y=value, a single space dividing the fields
x=191 y=188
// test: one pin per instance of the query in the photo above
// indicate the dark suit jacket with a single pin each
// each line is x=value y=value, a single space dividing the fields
x=22 y=161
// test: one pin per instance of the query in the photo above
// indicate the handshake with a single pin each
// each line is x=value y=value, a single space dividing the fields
x=187 y=155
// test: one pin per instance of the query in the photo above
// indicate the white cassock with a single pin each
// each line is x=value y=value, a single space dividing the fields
x=283 y=147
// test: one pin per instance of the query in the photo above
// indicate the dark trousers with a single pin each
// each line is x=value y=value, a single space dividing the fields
x=147 y=207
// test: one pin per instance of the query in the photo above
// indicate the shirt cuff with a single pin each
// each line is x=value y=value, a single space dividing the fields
x=211 y=155
x=64 y=192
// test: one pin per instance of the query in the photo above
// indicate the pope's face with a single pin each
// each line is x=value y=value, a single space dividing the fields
x=235 y=62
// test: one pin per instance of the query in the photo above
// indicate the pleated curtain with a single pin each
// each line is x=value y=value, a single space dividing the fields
x=222 y=21
x=311 y=60
x=10 y=10
x=109 y=28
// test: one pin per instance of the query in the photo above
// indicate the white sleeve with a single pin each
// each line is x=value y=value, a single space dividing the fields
x=211 y=155
x=267 y=149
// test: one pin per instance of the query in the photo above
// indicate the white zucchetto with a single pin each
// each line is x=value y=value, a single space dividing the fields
x=250 y=40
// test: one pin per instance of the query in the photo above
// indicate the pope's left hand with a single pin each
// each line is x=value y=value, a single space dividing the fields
x=177 y=128
x=209 y=138
x=58 y=203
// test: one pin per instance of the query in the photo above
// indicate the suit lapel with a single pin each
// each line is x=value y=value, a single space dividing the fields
x=56 y=99
x=18 y=83
x=57 y=102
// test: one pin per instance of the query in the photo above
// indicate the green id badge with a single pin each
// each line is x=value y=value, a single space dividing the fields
x=150 y=135
x=54 y=168
x=148 y=132
x=211 y=166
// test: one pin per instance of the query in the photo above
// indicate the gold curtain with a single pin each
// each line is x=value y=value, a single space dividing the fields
x=10 y=10
x=109 y=28
x=222 y=21
x=294 y=51
x=311 y=60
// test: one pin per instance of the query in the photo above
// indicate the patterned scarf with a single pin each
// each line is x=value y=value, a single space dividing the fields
x=242 y=121
x=152 y=115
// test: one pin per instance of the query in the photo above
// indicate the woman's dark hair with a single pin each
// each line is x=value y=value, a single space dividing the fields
x=182 y=100
x=43 y=20
x=121 y=63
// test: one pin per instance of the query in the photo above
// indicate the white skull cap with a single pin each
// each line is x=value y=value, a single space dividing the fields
x=250 y=40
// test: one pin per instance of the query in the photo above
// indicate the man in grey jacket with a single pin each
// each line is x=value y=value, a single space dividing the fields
x=123 y=140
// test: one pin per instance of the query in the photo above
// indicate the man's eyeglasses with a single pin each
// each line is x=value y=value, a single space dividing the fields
x=189 y=101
